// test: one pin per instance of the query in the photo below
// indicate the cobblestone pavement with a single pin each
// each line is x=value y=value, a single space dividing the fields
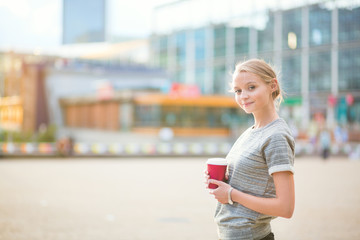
x=159 y=198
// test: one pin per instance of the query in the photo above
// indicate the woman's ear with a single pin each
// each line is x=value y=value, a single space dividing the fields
x=274 y=85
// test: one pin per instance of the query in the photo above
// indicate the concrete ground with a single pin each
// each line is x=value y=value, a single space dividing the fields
x=159 y=198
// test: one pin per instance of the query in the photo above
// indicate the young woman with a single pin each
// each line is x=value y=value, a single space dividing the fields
x=260 y=183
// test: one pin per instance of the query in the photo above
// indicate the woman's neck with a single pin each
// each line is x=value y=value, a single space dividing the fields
x=263 y=118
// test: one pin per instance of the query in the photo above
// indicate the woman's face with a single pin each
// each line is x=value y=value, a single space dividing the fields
x=251 y=92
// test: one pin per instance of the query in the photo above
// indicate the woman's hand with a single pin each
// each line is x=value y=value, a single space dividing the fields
x=227 y=176
x=220 y=193
x=207 y=177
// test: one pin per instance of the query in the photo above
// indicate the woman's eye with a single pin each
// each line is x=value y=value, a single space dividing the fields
x=237 y=91
x=251 y=87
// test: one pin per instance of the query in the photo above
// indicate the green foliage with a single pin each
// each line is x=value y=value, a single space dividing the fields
x=47 y=134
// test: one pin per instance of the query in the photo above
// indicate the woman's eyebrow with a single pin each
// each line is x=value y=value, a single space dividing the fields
x=251 y=82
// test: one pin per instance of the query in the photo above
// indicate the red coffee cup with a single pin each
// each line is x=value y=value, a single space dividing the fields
x=217 y=169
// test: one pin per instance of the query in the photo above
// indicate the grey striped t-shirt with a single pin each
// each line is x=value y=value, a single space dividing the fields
x=256 y=155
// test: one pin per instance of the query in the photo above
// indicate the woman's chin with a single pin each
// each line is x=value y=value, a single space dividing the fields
x=248 y=111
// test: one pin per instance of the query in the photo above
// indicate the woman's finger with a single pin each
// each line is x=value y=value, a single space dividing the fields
x=216 y=182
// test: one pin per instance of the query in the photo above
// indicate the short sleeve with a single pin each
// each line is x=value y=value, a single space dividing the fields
x=279 y=153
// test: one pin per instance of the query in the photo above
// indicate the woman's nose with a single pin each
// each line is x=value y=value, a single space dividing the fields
x=244 y=94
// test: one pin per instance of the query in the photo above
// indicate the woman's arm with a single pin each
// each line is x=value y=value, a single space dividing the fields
x=282 y=205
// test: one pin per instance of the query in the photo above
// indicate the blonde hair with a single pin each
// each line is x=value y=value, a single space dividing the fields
x=265 y=72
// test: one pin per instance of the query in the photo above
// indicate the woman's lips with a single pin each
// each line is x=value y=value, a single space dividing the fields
x=247 y=104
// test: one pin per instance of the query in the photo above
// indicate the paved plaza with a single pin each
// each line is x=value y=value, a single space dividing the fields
x=159 y=198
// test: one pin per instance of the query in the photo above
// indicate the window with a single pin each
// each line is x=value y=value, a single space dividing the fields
x=180 y=45
x=320 y=72
x=147 y=115
x=181 y=49
x=291 y=74
x=349 y=69
x=200 y=44
x=320 y=26
x=291 y=30
x=162 y=52
x=241 y=40
x=219 y=41
x=220 y=79
x=349 y=24
x=266 y=36
x=200 y=78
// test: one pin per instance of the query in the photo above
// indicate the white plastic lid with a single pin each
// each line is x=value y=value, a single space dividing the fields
x=216 y=161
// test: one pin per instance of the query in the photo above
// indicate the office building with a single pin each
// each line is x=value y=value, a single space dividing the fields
x=83 y=21
x=314 y=45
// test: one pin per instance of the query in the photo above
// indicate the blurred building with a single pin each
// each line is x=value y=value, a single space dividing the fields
x=315 y=45
x=77 y=85
x=23 y=102
x=145 y=112
x=84 y=21
x=34 y=86
x=84 y=94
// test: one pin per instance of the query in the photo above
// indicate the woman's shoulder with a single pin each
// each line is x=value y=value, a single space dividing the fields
x=278 y=129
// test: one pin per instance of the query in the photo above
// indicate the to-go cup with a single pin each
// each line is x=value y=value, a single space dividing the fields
x=216 y=168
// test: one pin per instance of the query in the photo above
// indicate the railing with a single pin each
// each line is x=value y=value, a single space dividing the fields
x=79 y=149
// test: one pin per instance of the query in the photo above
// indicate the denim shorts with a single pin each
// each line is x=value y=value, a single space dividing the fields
x=270 y=236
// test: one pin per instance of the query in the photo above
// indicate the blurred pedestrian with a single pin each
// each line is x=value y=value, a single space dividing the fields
x=325 y=142
x=340 y=135
x=293 y=128
x=260 y=183
x=313 y=131
x=65 y=146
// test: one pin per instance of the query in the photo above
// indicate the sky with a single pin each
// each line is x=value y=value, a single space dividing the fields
x=37 y=24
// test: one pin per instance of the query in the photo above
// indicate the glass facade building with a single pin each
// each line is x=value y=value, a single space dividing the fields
x=83 y=21
x=314 y=45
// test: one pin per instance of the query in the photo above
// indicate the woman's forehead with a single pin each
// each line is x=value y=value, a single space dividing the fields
x=245 y=77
